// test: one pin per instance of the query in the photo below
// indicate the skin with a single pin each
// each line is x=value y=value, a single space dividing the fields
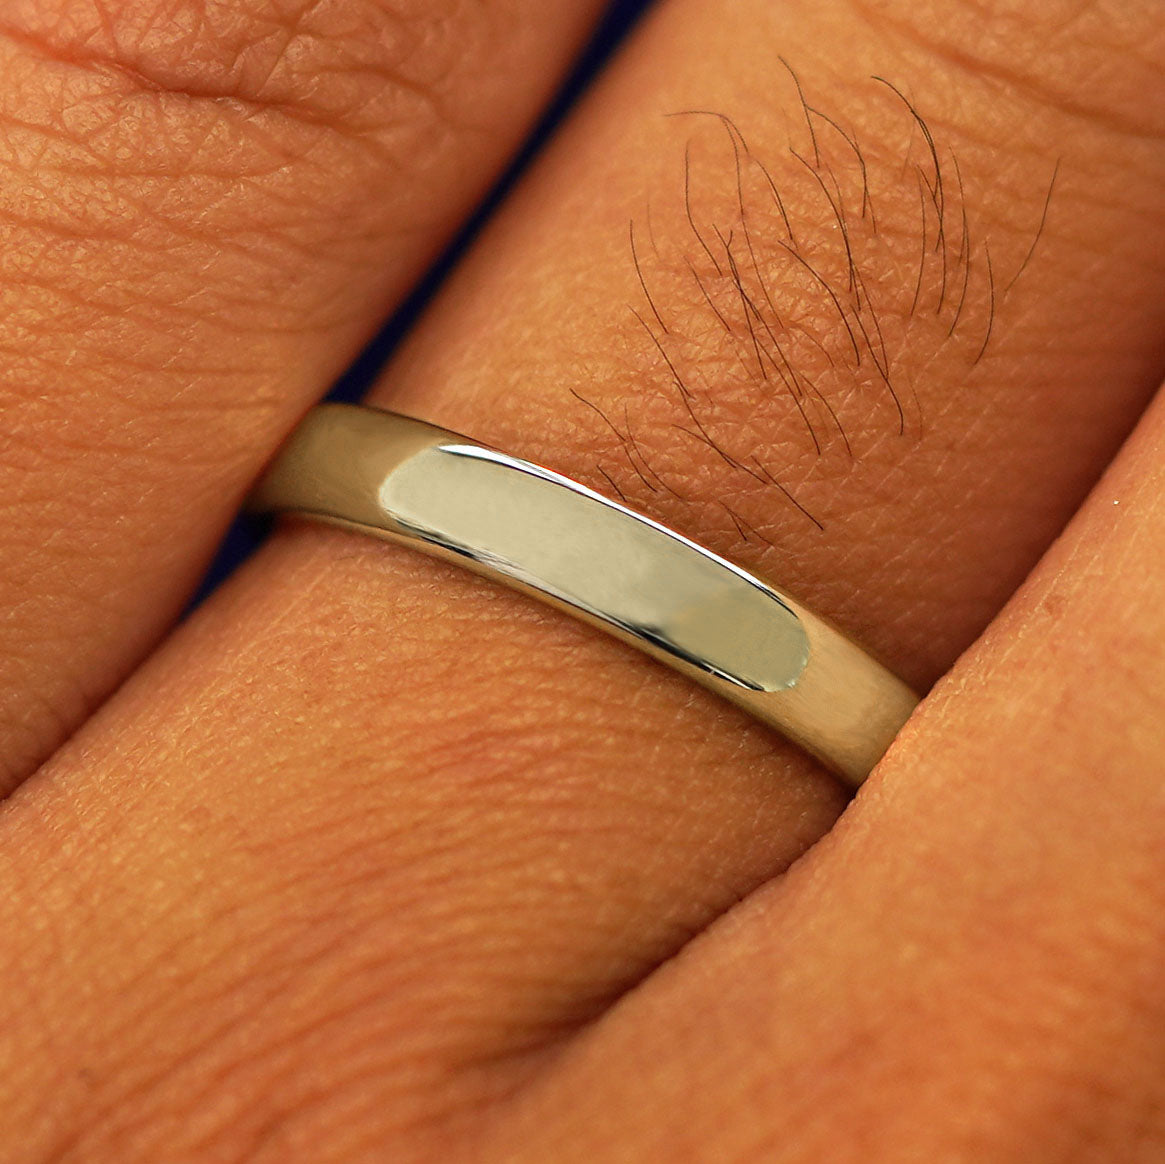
x=191 y=249
x=372 y=859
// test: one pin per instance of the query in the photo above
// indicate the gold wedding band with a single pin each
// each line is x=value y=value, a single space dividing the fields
x=552 y=538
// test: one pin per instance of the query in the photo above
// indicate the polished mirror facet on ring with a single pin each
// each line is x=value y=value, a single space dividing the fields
x=553 y=538
x=557 y=537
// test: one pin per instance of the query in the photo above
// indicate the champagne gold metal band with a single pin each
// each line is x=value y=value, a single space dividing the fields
x=550 y=537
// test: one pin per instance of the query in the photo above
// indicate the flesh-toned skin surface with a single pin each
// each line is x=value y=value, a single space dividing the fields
x=206 y=209
x=374 y=860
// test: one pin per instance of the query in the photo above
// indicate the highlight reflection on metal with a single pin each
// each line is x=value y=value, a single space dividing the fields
x=553 y=535
x=553 y=538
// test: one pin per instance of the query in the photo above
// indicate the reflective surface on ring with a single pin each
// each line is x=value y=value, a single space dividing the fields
x=400 y=479
x=553 y=535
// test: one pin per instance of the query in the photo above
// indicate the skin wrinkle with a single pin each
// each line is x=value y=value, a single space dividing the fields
x=1032 y=78
x=65 y=228
x=304 y=958
x=258 y=61
x=179 y=1088
x=260 y=149
x=785 y=295
x=259 y=1047
x=207 y=207
x=635 y=431
x=93 y=225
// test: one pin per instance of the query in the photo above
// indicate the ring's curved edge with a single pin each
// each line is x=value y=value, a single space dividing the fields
x=843 y=706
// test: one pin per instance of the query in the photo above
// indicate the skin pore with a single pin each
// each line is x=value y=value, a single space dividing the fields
x=371 y=859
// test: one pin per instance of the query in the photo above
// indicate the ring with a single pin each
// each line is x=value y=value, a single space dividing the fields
x=543 y=534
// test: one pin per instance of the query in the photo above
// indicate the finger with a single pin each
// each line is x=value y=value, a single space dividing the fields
x=203 y=218
x=972 y=965
x=543 y=816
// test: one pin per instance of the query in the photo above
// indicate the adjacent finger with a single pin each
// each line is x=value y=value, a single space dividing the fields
x=972 y=965
x=477 y=823
x=204 y=213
